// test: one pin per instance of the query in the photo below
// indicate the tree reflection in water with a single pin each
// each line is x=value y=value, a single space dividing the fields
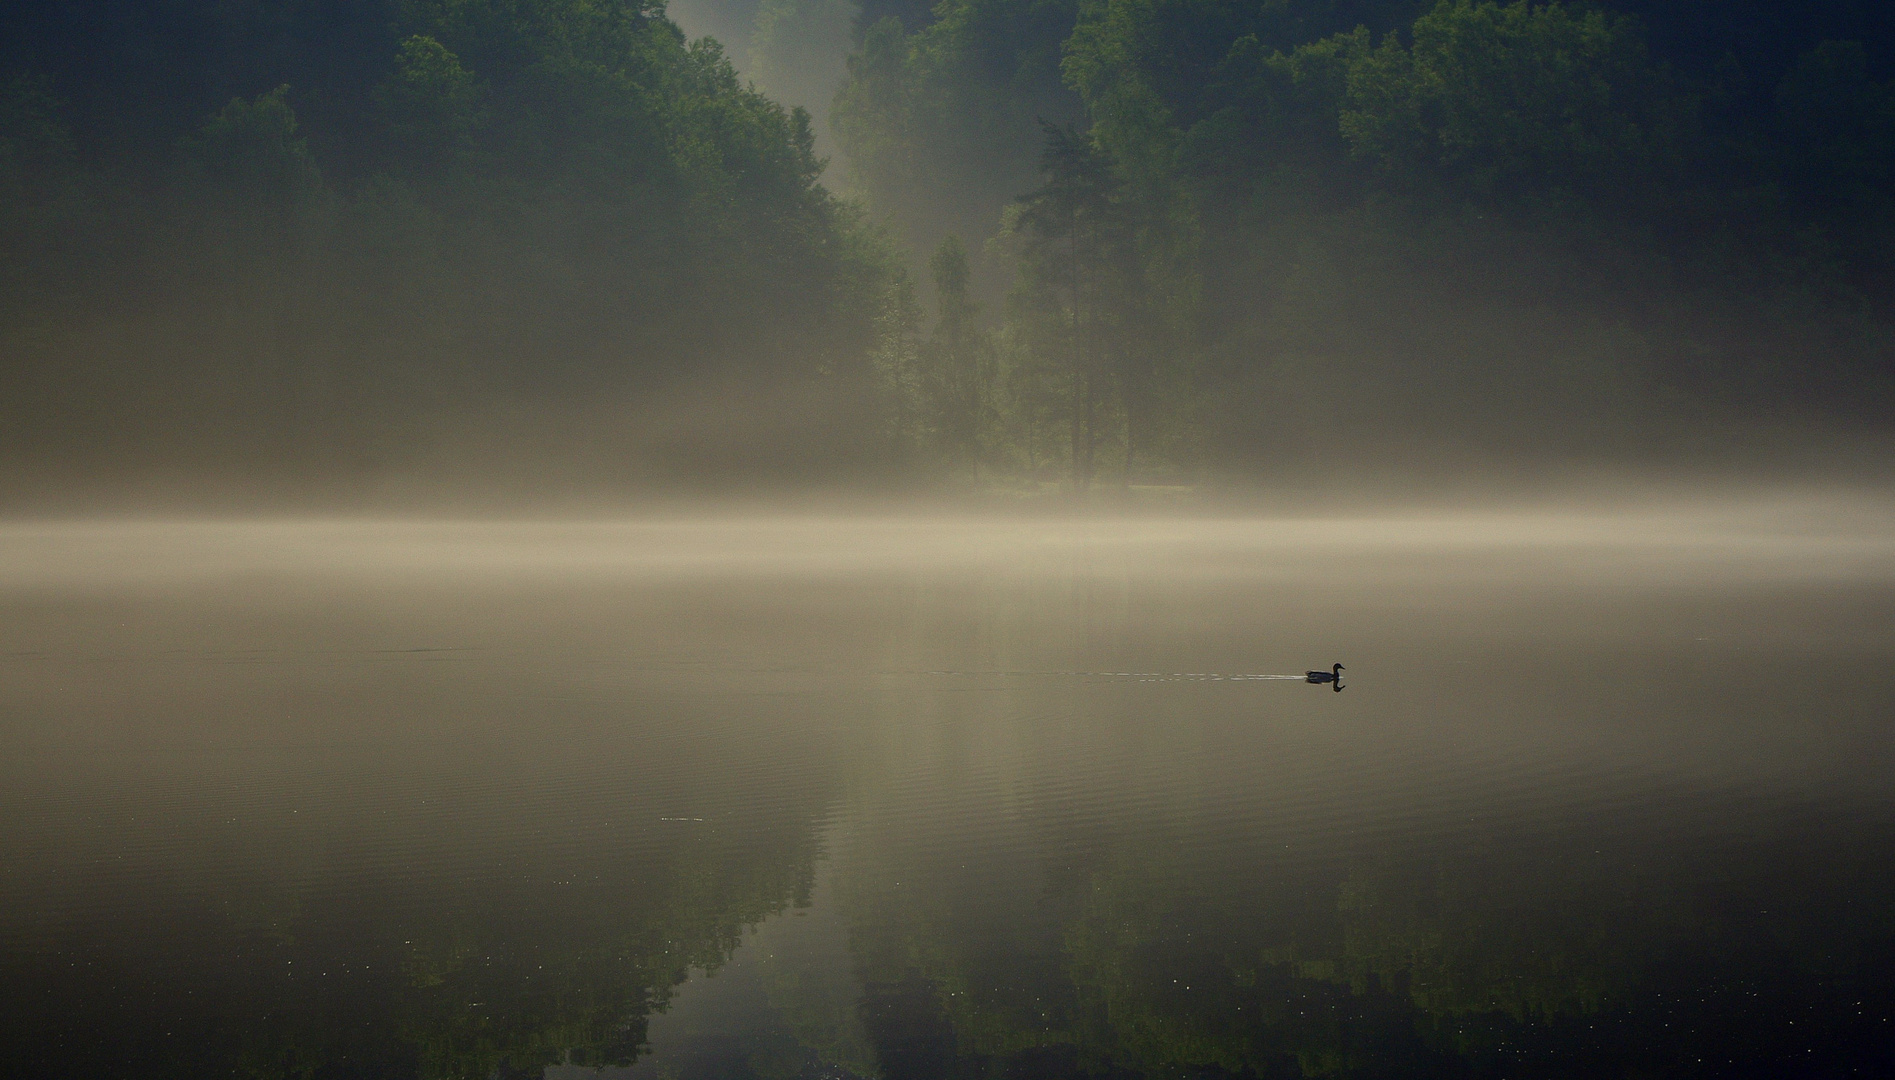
x=1557 y=876
x=501 y=969
x=1515 y=953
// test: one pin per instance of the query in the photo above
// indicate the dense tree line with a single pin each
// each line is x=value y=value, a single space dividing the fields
x=333 y=239
x=1272 y=235
x=1166 y=238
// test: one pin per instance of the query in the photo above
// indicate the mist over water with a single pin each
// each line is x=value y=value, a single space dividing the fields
x=1608 y=789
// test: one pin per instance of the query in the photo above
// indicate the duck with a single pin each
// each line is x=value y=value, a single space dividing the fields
x=1331 y=676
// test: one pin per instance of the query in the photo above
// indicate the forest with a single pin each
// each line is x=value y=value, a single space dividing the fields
x=328 y=248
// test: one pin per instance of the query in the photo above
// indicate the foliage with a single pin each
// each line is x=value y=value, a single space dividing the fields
x=958 y=361
x=550 y=210
x=1517 y=99
x=1074 y=252
x=796 y=50
x=938 y=125
x=337 y=240
x=1522 y=227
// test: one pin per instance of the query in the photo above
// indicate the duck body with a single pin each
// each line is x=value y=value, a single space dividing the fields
x=1334 y=675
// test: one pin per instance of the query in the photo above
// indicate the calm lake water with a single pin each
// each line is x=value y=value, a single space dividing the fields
x=1607 y=794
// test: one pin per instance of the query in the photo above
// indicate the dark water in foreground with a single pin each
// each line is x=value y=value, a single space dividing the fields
x=1607 y=795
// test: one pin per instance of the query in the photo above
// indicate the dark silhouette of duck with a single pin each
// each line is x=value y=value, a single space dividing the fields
x=1334 y=676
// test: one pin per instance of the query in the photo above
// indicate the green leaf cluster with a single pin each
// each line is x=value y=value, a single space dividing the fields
x=492 y=238
x=1498 y=228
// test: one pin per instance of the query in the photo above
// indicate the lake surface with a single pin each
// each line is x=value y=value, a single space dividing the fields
x=1608 y=793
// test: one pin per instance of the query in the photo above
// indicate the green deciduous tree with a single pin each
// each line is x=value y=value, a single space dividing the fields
x=959 y=364
x=1071 y=250
x=938 y=124
x=897 y=361
x=250 y=152
x=517 y=212
x=432 y=103
x=1517 y=99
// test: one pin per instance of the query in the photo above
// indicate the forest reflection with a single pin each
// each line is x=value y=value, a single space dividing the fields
x=1508 y=955
x=732 y=821
x=548 y=936
x=1110 y=955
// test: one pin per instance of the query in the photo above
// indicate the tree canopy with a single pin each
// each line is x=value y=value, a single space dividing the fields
x=526 y=224
x=543 y=244
x=1531 y=228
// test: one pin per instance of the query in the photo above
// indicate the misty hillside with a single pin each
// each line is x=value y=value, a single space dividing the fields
x=301 y=243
